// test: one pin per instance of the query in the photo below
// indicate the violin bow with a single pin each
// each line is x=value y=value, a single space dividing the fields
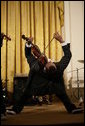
x=49 y=43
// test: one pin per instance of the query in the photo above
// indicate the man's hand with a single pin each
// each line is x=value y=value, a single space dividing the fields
x=2 y=37
x=58 y=37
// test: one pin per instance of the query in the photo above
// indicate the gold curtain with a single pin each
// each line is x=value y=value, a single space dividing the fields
x=39 y=19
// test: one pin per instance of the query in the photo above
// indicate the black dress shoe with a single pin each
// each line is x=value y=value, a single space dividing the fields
x=77 y=110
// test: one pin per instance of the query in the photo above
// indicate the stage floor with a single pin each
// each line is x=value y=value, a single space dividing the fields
x=54 y=114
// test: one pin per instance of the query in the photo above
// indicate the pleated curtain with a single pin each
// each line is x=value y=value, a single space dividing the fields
x=39 y=19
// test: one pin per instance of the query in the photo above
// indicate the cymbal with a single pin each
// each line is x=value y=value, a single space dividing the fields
x=81 y=61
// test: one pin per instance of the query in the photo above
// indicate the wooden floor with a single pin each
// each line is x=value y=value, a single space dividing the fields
x=54 y=114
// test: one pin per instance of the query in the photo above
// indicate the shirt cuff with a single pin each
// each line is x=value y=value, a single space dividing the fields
x=28 y=45
x=64 y=43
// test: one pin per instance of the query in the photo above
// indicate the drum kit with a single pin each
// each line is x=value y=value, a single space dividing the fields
x=79 y=81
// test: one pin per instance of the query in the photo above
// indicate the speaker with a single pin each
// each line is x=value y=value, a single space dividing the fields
x=20 y=81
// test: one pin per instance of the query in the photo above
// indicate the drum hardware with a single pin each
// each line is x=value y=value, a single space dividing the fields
x=80 y=99
x=81 y=61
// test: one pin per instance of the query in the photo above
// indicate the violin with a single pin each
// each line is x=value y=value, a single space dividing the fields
x=5 y=36
x=36 y=51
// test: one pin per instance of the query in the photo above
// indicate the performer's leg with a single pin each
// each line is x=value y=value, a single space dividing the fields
x=19 y=105
x=67 y=102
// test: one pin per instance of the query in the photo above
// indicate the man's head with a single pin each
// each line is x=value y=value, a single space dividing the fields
x=50 y=67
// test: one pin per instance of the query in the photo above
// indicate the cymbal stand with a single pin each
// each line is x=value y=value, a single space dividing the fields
x=78 y=82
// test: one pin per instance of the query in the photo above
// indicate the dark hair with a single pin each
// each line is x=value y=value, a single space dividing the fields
x=51 y=70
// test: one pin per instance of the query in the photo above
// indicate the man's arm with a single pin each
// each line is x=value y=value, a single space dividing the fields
x=66 y=58
x=63 y=63
x=27 y=50
x=28 y=54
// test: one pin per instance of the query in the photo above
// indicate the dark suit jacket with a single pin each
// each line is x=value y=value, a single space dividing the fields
x=39 y=82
